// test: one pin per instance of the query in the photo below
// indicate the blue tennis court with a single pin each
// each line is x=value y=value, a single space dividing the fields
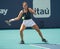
x=10 y=39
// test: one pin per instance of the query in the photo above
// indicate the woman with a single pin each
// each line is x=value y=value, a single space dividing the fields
x=27 y=22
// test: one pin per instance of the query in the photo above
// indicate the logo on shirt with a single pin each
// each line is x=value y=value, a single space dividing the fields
x=42 y=8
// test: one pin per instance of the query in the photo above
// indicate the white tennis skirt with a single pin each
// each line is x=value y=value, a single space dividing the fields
x=28 y=23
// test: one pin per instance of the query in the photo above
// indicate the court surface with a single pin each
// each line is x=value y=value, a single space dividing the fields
x=10 y=39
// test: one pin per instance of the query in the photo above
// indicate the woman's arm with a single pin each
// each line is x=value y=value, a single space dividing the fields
x=32 y=11
x=17 y=18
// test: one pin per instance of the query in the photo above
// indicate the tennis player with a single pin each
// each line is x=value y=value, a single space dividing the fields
x=27 y=22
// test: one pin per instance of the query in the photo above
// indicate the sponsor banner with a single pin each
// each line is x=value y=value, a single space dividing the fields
x=3 y=11
x=42 y=8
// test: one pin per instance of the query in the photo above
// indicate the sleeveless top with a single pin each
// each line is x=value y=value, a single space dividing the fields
x=27 y=15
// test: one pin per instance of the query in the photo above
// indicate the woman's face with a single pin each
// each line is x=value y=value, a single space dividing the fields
x=25 y=6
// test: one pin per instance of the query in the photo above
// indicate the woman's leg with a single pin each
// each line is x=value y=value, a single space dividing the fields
x=21 y=33
x=39 y=32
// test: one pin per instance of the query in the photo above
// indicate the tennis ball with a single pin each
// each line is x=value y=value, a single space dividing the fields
x=23 y=18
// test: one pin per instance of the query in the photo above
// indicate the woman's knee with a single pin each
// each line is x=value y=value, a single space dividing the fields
x=22 y=28
x=36 y=28
x=21 y=31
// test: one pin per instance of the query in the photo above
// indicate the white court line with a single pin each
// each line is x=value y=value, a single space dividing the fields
x=39 y=46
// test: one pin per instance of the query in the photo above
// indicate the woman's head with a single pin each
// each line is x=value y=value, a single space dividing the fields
x=25 y=6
